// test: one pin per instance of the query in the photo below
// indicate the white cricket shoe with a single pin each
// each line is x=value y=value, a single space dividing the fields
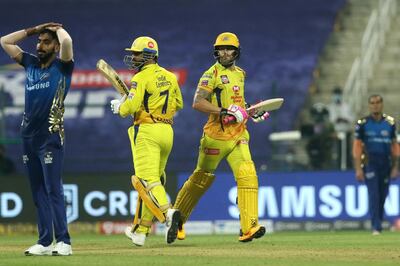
x=128 y=232
x=62 y=249
x=39 y=250
x=138 y=238
x=172 y=223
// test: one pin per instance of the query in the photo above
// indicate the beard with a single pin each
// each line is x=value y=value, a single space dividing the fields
x=44 y=57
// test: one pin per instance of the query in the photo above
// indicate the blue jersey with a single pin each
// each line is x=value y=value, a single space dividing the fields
x=45 y=91
x=377 y=136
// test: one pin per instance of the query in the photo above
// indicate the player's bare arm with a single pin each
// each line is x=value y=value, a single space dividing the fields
x=357 y=153
x=395 y=159
x=202 y=102
x=66 y=51
x=9 y=41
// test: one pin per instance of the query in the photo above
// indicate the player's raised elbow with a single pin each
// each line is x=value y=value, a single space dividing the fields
x=2 y=42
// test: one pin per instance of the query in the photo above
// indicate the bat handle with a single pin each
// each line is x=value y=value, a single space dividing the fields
x=228 y=119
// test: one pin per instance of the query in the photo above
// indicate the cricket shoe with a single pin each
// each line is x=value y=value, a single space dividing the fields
x=62 y=249
x=255 y=232
x=128 y=232
x=137 y=238
x=172 y=224
x=38 y=250
x=376 y=233
x=181 y=232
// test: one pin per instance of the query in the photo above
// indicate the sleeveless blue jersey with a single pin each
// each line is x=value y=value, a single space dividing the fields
x=45 y=91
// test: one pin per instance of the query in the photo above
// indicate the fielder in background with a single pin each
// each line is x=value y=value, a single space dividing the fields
x=153 y=100
x=220 y=93
x=48 y=79
x=376 y=154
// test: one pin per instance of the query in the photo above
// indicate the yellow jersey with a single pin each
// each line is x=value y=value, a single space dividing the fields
x=226 y=86
x=154 y=96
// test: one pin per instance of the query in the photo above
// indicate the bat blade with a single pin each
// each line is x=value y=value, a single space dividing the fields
x=266 y=106
x=112 y=76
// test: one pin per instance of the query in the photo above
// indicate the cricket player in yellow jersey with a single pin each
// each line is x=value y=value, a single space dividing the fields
x=153 y=99
x=220 y=93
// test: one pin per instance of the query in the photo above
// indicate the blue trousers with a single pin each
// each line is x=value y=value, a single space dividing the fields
x=43 y=160
x=377 y=179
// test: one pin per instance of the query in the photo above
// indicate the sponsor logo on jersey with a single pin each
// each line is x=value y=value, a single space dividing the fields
x=243 y=141
x=204 y=83
x=131 y=95
x=236 y=88
x=385 y=133
x=38 y=86
x=224 y=79
x=206 y=76
x=369 y=175
x=134 y=85
x=211 y=151
x=48 y=157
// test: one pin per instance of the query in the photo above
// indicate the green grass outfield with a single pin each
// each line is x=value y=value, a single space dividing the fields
x=282 y=248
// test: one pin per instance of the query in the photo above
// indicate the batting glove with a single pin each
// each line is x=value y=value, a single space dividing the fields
x=259 y=117
x=115 y=104
x=238 y=112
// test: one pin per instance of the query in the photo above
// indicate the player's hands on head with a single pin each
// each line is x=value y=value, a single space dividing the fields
x=238 y=112
x=49 y=25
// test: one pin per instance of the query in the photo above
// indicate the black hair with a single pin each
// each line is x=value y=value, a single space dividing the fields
x=375 y=95
x=53 y=34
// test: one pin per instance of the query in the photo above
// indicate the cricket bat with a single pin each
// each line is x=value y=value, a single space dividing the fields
x=112 y=76
x=263 y=106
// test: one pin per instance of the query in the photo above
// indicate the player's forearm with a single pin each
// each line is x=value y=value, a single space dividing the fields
x=66 y=50
x=395 y=162
x=205 y=106
x=357 y=163
x=9 y=41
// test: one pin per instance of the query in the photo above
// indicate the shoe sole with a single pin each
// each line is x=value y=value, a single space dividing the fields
x=32 y=254
x=172 y=232
x=259 y=233
x=58 y=254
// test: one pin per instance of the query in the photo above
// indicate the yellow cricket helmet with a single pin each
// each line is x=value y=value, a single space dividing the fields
x=144 y=44
x=227 y=39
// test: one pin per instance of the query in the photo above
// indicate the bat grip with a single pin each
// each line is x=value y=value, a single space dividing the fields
x=228 y=119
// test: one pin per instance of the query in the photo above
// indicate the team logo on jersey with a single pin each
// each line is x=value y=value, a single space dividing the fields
x=48 y=157
x=206 y=76
x=44 y=76
x=211 y=151
x=150 y=44
x=224 y=79
x=134 y=85
x=204 y=83
x=385 y=133
x=25 y=158
x=236 y=88
x=71 y=201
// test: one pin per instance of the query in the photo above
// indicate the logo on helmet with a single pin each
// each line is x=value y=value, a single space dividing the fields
x=150 y=44
x=226 y=38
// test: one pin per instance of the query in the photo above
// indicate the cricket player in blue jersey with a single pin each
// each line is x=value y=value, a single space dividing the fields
x=376 y=155
x=48 y=79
